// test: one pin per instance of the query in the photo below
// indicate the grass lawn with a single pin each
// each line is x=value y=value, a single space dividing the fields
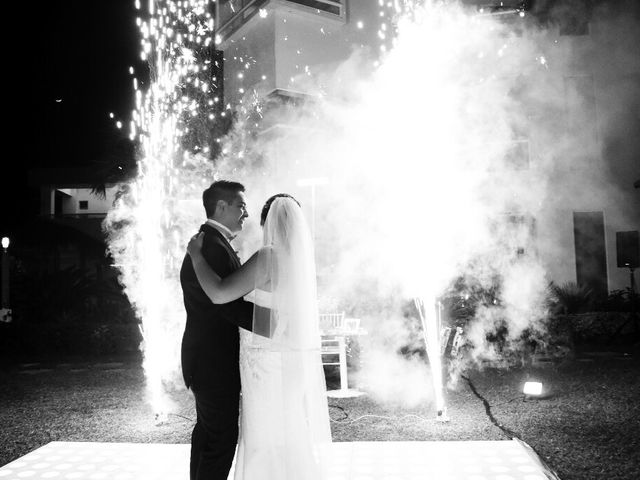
x=588 y=427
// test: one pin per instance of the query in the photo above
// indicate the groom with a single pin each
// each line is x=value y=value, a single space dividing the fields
x=210 y=344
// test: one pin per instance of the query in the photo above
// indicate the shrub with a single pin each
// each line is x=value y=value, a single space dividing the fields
x=68 y=312
x=53 y=339
x=624 y=300
x=569 y=298
x=594 y=328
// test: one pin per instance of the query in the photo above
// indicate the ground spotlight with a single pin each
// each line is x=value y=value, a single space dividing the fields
x=532 y=389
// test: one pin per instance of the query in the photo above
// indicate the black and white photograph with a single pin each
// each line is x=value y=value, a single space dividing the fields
x=321 y=240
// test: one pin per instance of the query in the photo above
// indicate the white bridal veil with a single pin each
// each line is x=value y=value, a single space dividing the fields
x=286 y=270
x=286 y=387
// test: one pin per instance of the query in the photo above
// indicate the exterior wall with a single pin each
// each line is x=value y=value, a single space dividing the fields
x=95 y=204
x=318 y=44
x=252 y=44
x=290 y=40
x=599 y=178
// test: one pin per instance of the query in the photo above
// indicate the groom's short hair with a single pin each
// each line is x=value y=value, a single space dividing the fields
x=220 y=190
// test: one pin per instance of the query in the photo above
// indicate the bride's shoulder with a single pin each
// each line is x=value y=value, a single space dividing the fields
x=261 y=254
x=267 y=252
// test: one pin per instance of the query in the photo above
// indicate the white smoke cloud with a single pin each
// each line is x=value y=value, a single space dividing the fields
x=419 y=156
x=414 y=153
x=442 y=161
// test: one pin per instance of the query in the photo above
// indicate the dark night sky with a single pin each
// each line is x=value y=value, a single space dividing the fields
x=78 y=52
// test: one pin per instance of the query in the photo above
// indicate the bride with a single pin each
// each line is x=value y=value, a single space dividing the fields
x=284 y=428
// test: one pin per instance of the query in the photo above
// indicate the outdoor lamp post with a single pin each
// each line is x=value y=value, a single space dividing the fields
x=5 y=310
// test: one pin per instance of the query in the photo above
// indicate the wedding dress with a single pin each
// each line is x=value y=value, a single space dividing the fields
x=284 y=427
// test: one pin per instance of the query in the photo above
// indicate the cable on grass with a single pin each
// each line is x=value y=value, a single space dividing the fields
x=550 y=473
x=383 y=417
x=487 y=407
x=344 y=412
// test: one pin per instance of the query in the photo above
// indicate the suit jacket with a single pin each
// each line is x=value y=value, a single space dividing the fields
x=210 y=344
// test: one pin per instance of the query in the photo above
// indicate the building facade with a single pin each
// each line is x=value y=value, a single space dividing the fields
x=591 y=192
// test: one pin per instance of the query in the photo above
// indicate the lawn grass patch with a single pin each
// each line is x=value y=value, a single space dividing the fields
x=587 y=428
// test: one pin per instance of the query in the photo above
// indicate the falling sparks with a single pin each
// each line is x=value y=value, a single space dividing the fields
x=147 y=225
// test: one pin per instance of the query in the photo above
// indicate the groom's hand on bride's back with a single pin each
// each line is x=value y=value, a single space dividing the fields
x=195 y=244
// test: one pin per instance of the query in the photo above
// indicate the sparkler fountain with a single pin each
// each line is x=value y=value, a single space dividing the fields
x=158 y=208
x=431 y=328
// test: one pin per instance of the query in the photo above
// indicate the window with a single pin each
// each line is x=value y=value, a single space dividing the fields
x=591 y=252
x=332 y=7
x=580 y=101
x=499 y=7
x=574 y=25
x=516 y=233
x=517 y=155
x=573 y=17
x=232 y=14
x=83 y=205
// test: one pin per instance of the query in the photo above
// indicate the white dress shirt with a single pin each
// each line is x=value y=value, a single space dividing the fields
x=226 y=233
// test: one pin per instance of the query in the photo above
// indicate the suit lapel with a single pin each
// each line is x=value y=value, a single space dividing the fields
x=208 y=229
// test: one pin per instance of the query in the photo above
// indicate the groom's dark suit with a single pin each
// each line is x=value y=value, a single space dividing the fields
x=210 y=347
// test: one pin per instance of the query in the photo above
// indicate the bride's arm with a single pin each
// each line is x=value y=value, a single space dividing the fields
x=222 y=290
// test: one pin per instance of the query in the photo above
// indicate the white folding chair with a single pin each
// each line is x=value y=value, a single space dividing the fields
x=332 y=344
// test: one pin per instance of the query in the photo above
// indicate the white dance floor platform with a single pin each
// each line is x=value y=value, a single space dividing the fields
x=472 y=460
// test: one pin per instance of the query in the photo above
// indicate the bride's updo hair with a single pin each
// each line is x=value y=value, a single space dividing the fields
x=267 y=206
